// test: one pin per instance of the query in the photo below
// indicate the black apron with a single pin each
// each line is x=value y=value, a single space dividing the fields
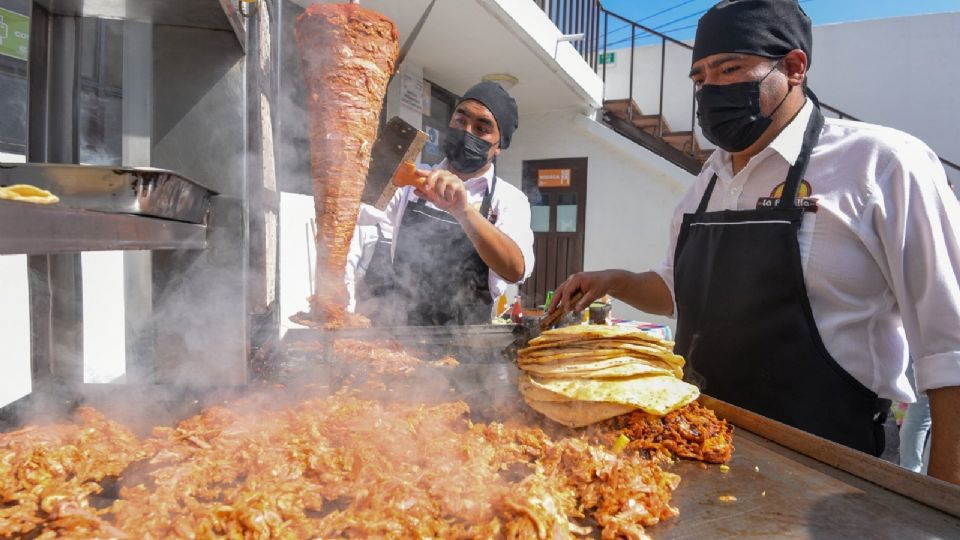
x=745 y=325
x=376 y=290
x=440 y=275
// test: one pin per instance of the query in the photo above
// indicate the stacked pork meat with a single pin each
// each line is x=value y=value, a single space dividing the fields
x=348 y=53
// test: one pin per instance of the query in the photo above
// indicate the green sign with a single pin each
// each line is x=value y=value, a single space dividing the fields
x=14 y=34
x=608 y=58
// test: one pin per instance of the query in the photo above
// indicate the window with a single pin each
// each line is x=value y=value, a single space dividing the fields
x=14 y=43
x=442 y=103
x=567 y=213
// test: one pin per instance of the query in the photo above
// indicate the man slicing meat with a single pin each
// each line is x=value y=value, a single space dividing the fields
x=464 y=234
x=810 y=256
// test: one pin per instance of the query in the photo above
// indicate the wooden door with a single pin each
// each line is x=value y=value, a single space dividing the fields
x=557 y=189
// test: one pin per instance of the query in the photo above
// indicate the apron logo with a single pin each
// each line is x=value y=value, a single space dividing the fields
x=803 y=197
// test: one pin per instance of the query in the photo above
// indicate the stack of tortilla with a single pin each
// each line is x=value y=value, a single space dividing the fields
x=580 y=375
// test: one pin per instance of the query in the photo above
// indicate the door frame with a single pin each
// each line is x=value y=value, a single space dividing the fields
x=552 y=246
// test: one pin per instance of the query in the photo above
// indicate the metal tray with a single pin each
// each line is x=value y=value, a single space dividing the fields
x=119 y=190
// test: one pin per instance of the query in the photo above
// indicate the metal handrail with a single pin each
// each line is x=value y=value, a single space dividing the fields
x=578 y=17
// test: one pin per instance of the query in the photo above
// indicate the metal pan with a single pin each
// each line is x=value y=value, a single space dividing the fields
x=120 y=190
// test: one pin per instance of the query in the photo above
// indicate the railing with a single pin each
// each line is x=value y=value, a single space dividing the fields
x=845 y=116
x=574 y=17
x=590 y=18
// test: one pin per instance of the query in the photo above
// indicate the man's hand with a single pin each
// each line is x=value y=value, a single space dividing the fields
x=645 y=291
x=446 y=191
x=945 y=425
x=592 y=284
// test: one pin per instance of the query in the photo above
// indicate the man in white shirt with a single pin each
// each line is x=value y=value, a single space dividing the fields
x=810 y=257
x=368 y=274
x=464 y=234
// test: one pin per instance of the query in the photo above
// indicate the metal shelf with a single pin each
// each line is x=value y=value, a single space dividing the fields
x=209 y=14
x=34 y=229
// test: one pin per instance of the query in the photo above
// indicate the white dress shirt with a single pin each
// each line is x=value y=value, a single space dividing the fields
x=509 y=208
x=881 y=253
x=362 y=245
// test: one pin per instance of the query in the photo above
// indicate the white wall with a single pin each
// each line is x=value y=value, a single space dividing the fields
x=297 y=257
x=14 y=329
x=897 y=72
x=631 y=192
x=104 y=317
x=528 y=22
x=14 y=320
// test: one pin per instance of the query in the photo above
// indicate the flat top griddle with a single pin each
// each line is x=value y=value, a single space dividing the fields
x=784 y=494
x=787 y=484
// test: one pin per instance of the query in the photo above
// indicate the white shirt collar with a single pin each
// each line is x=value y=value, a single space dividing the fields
x=788 y=144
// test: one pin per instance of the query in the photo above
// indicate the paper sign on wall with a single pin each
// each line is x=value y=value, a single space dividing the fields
x=14 y=34
x=411 y=87
x=553 y=178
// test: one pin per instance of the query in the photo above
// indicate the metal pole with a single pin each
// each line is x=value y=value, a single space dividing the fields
x=582 y=26
x=606 y=28
x=663 y=63
x=633 y=33
x=588 y=47
x=596 y=33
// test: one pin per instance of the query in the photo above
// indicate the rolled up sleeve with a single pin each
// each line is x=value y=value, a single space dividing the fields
x=919 y=228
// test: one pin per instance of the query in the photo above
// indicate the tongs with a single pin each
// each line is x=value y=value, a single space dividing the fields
x=554 y=316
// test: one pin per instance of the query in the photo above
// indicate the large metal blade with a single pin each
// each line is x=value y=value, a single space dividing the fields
x=405 y=48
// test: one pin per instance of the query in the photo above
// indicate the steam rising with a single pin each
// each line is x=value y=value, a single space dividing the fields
x=190 y=376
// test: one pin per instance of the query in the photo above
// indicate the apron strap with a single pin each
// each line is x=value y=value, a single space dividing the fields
x=488 y=197
x=706 y=195
x=788 y=199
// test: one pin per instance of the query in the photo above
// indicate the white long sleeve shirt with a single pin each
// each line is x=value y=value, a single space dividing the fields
x=364 y=241
x=881 y=253
x=509 y=208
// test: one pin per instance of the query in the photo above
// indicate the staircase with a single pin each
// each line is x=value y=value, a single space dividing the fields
x=654 y=132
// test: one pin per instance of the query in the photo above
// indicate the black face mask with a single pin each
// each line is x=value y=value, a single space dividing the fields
x=730 y=114
x=465 y=152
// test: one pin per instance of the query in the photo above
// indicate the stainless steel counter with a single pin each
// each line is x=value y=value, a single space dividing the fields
x=804 y=487
x=783 y=494
x=118 y=190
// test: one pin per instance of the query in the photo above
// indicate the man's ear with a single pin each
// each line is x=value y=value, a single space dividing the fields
x=795 y=66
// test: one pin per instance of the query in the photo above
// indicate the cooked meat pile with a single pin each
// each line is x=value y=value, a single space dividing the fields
x=337 y=467
x=348 y=54
x=344 y=466
x=378 y=357
x=691 y=432
x=48 y=473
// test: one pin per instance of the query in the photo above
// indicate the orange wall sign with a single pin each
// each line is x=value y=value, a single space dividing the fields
x=553 y=178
